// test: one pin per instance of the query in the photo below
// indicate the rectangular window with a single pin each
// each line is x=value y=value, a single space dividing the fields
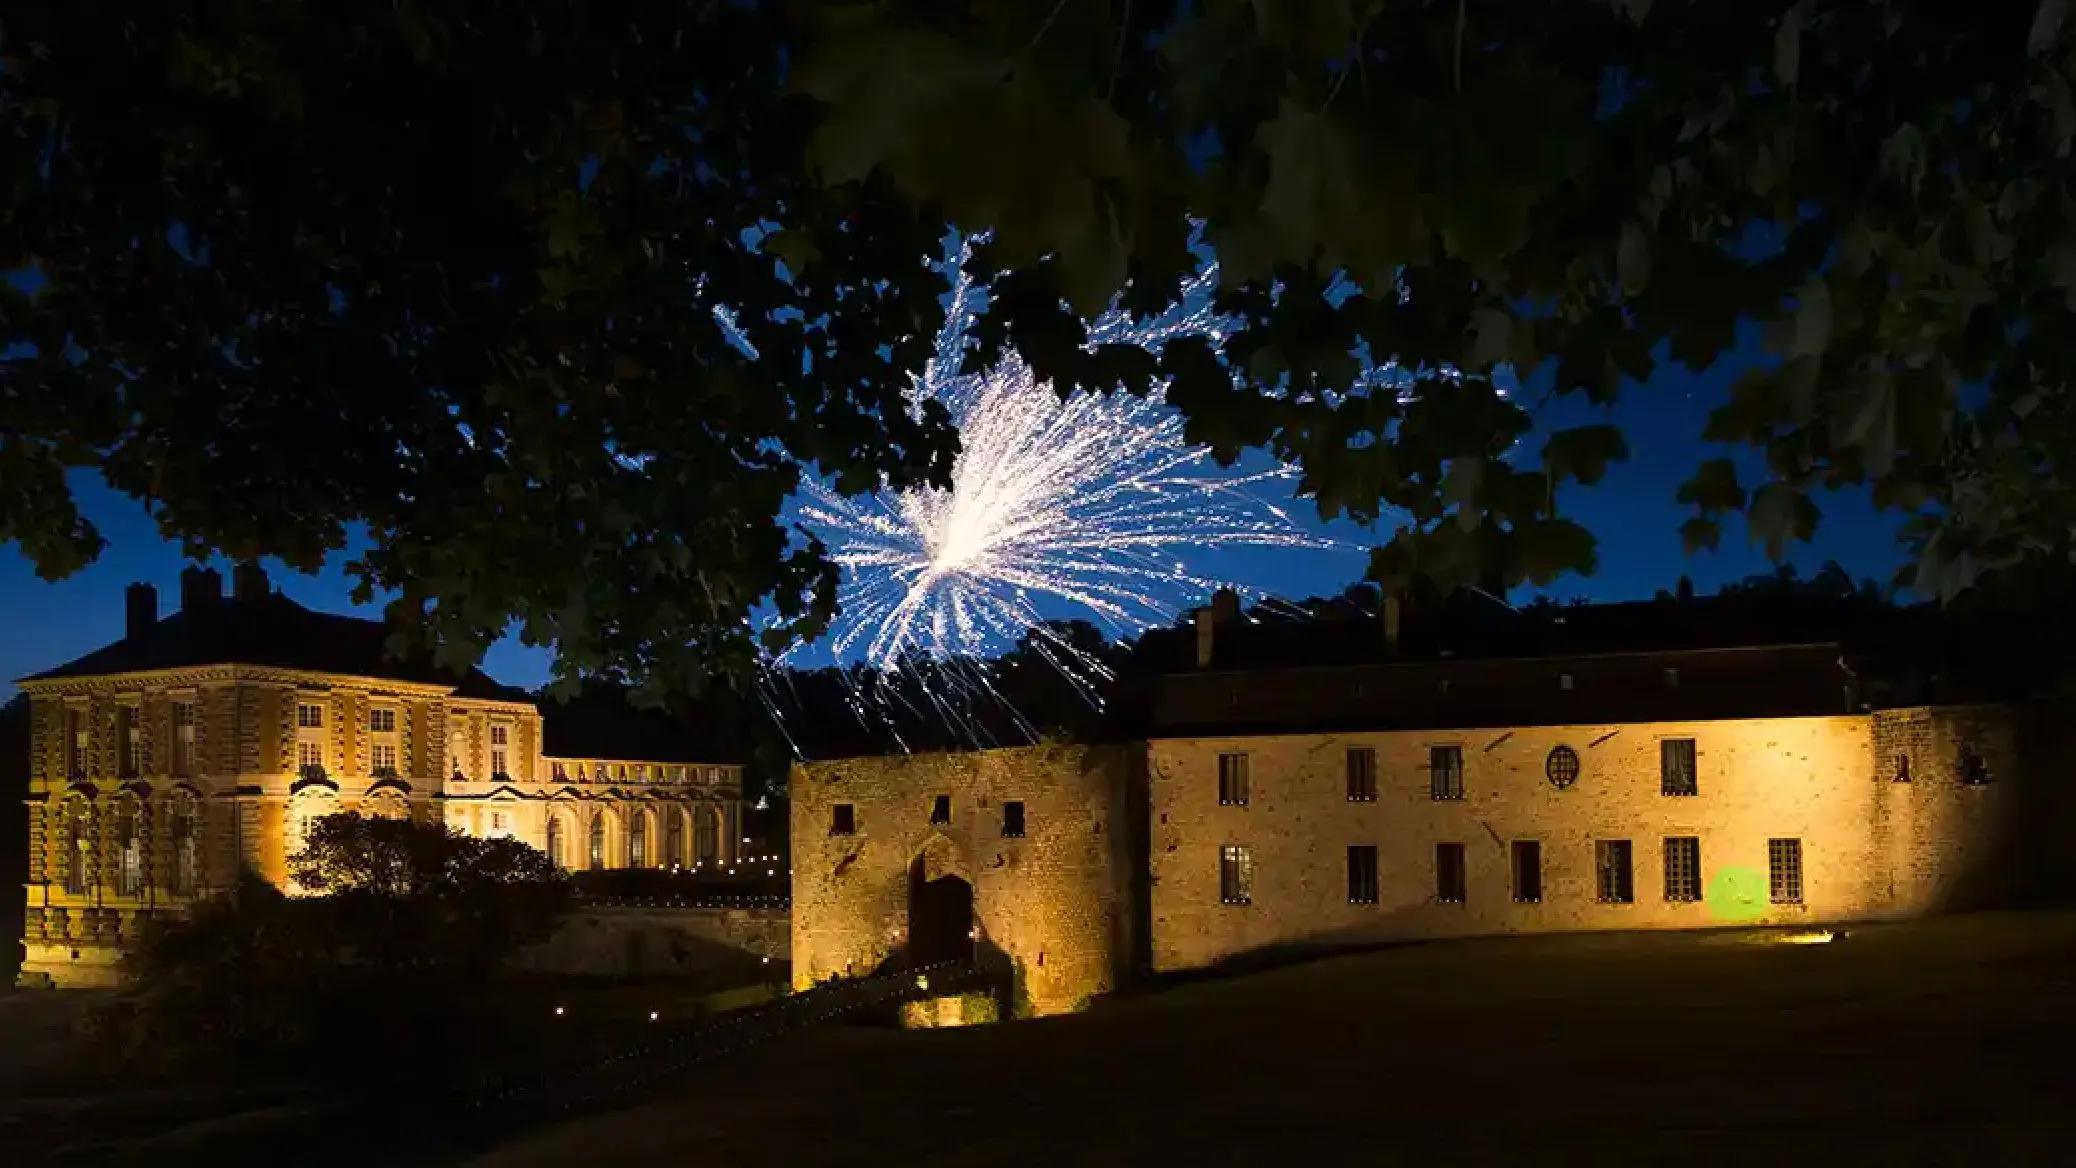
x=500 y=736
x=1528 y=871
x=382 y=720
x=1236 y=874
x=940 y=809
x=129 y=873
x=1013 y=820
x=1676 y=767
x=843 y=820
x=128 y=742
x=1902 y=768
x=75 y=744
x=1451 y=886
x=183 y=739
x=1682 y=869
x=384 y=755
x=1232 y=780
x=1445 y=772
x=1362 y=774
x=1362 y=873
x=1784 y=871
x=310 y=756
x=309 y=715
x=1615 y=870
x=560 y=771
x=497 y=765
x=641 y=772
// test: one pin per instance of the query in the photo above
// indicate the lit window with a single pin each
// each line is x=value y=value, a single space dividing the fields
x=1683 y=869
x=1236 y=874
x=1676 y=767
x=1445 y=773
x=555 y=841
x=75 y=744
x=1615 y=871
x=184 y=817
x=129 y=854
x=1784 y=871
x=1564 y=681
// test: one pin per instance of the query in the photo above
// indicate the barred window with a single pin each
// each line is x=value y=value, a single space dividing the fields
x=1451 y=886
x=1362 y=774
x=1232 y=780
x=1236 y=874
x=1362 y=874
x=1676 y=767
x=1445 y=772
x=1528 y=871
x=1616 y=871
x=1682 y=869
x=1784 y=871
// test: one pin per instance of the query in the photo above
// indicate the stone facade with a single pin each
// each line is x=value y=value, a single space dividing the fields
x=1124 y=864
x=1056 y=900
x=150 y=789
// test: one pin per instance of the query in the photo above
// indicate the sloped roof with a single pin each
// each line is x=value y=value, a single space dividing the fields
x=604 y=722
x=276 y=631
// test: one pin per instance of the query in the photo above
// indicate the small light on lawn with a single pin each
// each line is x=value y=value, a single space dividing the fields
x=652 y=1015
x=922 y=981
x=558 y=1011
x=767 y=961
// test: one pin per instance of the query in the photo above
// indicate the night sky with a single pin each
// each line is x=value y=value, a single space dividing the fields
x=1632 y=511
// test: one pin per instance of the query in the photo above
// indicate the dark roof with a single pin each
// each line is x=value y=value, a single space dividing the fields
x=274 y=630
x=604 y=722
x=1469 y=626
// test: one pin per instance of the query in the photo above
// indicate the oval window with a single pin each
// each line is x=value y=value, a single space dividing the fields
x=1562 y=766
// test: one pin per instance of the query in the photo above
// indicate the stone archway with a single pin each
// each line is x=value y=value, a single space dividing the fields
x=940 y=916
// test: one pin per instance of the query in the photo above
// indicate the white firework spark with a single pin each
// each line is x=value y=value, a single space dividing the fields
x=1087 y=503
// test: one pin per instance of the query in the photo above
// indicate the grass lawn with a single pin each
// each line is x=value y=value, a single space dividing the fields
x=1942 y=1042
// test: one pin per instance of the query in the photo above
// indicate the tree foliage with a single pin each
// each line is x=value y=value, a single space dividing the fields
x=448 y=273
x=393 y=957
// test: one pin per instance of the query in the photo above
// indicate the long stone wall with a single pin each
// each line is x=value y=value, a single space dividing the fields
x=662 y=942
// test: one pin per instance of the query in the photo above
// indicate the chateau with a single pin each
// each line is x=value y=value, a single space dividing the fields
x=206 y=743
x=1679 y=764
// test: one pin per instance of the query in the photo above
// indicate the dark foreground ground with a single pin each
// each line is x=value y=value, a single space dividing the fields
x=1948 y=1042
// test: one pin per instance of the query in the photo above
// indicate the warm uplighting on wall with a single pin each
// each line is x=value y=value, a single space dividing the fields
x=1820 y=937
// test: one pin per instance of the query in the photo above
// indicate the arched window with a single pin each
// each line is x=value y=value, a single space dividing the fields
x=304 y=813
x=555 y=841
x=706 y=836
x=638 y=840
x=184 y=829
x=129 y=848
x=673 y=837
x=79 y=846
x=597 y=857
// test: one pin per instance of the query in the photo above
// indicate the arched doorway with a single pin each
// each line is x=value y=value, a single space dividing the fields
x=940 y=917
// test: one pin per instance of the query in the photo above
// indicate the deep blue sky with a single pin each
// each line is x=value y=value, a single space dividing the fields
x=1632 y=511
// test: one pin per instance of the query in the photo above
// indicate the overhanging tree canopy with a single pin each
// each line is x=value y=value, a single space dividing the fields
x=448 y=271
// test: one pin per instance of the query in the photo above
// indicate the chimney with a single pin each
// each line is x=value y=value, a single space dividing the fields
x=1224 y=609
x=140 y=610
x=249 y=583
x=200 y=589
x=1391 y=618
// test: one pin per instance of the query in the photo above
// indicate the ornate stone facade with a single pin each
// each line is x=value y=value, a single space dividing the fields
x=150 y=788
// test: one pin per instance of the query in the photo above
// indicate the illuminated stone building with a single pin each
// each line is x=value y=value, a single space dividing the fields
x=210 y=740
x=1670 y=765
